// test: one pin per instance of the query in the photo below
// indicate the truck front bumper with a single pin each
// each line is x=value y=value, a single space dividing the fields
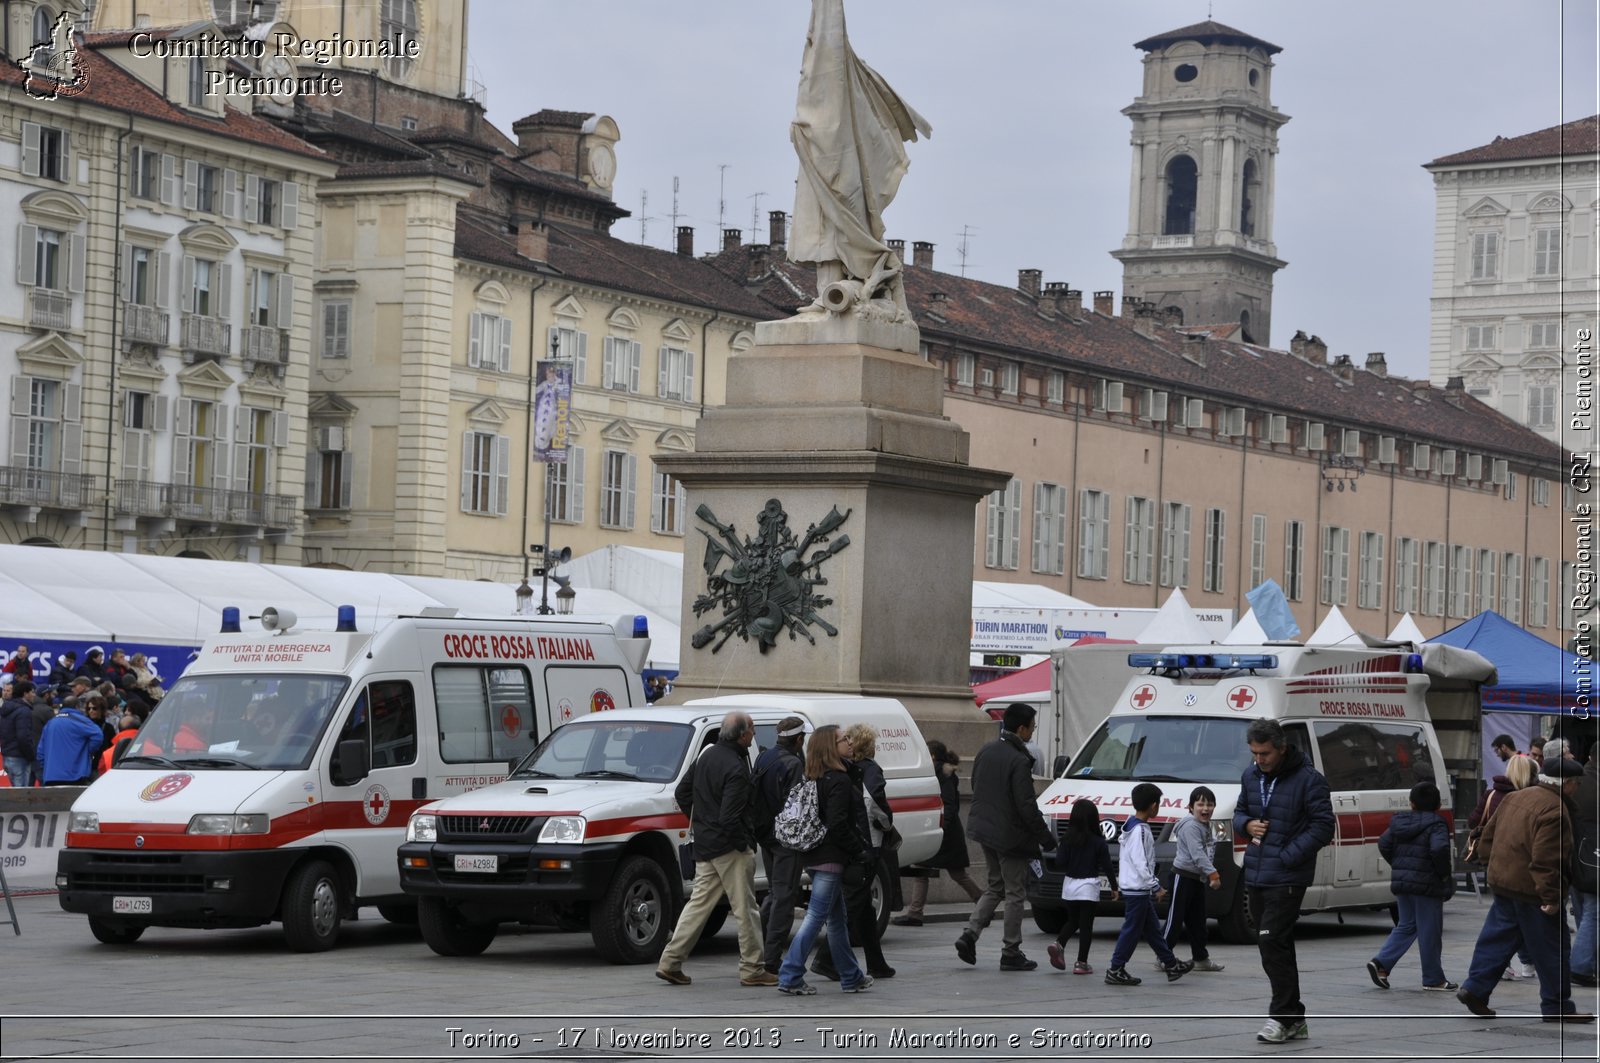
x=203 y=890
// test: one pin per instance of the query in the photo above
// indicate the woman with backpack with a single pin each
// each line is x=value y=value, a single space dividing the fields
x=841 y=853
x=870 y=798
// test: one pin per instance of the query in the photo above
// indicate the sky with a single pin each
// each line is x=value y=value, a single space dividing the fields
x=1029 y=162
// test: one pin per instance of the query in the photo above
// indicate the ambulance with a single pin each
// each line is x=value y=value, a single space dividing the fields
x=1359 y=715
x=586 y=832
x=275 y=779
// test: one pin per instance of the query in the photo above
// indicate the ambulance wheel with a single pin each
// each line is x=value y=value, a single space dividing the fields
x=1239 y=925
x=1050 y=920
x=447 y=933
x=404 y=913
x=114 y=933
x=632 y=921
x=311 y=907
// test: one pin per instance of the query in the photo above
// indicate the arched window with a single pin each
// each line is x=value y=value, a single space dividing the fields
x=1247 y=198
x=44 y=21
x=397 y=24
x=1182 y=179
x=1244 y=327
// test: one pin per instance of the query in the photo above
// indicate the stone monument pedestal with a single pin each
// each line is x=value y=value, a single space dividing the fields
x=819 y=426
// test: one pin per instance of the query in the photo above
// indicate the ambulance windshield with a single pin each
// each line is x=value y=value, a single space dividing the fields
x=602 y=748
x=270 y=722
x=1165 y=748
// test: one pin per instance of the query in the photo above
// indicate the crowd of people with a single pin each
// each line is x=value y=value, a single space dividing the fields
x=62 y=730
x=1534 y=837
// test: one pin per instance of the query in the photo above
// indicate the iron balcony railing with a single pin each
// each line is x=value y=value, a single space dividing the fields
x=49 y=309
x=22 y=486
x=206 y=335
x=143 y=324
x=144 y=498
x=263 y=343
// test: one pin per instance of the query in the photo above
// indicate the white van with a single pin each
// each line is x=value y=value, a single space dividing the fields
x=586 y=831
x=275 y=778
x=1357 y=714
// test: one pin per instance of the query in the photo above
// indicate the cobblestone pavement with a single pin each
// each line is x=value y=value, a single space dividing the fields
x=382 y=994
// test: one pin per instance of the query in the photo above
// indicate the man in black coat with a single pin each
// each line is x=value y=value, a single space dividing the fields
x=777 y=771
x=1586 y=884
x=715 y=794
x=19 y=738
x=1005 y=820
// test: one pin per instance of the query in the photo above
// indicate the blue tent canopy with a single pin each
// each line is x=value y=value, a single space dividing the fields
x=1535 y=676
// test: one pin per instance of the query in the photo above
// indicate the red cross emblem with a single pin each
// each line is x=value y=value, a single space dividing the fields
x=566 y=710
x=1142 y=697
x=1241 y=698
x=510 y=721
x=375 y=805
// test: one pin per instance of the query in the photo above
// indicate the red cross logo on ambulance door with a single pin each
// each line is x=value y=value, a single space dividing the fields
x=375 y=805
x=601 y=701
x=1143 y=697
x=510 y=721
x=566 y=709
x=1241 y=698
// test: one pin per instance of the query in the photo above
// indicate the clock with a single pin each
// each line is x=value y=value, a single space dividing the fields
x=602 y=165
x=279 y=67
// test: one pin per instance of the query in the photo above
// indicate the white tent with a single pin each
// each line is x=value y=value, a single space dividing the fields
x=1333 y=631
x=1247 y=632
x=1407 y=631
x=1174 y=624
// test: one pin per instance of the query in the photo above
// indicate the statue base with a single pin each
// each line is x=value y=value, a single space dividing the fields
x=856 y=329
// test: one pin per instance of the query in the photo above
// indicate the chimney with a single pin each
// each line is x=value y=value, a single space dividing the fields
x=1316 y=351
x=777 y=229
x=533 y=241
x=1344 y=368
x=1055 y=298
x=1144 y=315
x=899 y=249
x=731 y=238
x=1196 y=345
x=1102 y=303
x=1070 y=302
x=1130 y=305
x=1028 y=282
x=1377 y=364
x=922 y=254
x=938 y=297
x=1297 y=345
x=686 y=241
x=1454 y=389
x=760 y=263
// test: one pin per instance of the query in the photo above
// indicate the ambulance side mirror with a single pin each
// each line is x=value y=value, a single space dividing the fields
x=120 y=750
x=1062 y=761
x=353 y=762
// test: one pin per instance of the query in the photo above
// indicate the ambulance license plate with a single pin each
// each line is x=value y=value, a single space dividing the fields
x=131 y=906
x=487 y=864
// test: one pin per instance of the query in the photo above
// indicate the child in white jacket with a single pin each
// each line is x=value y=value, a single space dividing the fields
x=1136 y=877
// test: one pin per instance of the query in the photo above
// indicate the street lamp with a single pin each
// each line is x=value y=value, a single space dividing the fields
x=566 y=598
x=524 y=598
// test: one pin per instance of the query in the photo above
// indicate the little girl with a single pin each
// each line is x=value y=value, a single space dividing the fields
x=1084 y=857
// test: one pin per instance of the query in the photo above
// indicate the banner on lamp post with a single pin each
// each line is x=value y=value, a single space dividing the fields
x=552 y=406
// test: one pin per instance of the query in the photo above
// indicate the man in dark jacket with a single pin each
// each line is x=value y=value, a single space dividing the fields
x=777 y=770
x=1528 y=848
x=1585 y=961
x=1287 y=814
x=715 y=795
x=1006 y=822
x=66 y=667
x=19 y=739
x=93 y=667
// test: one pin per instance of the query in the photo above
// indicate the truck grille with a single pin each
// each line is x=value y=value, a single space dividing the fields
x=138 y=874
x=482 y=827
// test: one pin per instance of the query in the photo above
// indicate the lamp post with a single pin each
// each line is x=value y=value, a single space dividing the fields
x=566 y=598
x=524 y=598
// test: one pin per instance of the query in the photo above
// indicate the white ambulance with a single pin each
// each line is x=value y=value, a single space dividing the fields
x=586 y=831
x=1357 y=714
x=274 y=780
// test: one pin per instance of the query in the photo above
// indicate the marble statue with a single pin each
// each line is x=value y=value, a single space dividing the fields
x=850 y=130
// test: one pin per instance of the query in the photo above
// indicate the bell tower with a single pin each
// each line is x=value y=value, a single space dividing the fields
x=1205 y=148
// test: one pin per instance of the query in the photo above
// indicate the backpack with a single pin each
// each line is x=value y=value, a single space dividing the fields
x=799 y=826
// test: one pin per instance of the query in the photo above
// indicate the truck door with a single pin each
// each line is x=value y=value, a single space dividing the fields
x=572 y=692
x=368 y=817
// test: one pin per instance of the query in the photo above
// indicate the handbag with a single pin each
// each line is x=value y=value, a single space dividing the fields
x=892 y=839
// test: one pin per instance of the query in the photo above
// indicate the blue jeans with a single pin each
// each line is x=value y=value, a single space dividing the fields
x=1545 y=937
x=1584 y=960
x=1139 y=923
x=826 y=906
x=1421 y=921
x=20 y=769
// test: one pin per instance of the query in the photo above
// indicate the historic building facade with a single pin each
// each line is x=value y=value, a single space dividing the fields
x=1514 y=277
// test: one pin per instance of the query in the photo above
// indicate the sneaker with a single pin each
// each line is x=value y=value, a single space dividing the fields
x=1207 y=965
x=1578 y=978
x=1570 y=1016
x=1527 y=971
x=1082 y=968
x=906 y=920
x=1299 y=1032
x=1058 y=957
x=763 y=978
x=1379 y=976
x=861 y=986
x=1445 y=986
x=881 y=972
x=675 y=977
x=1120 y=976
x=1510 y=974
x=1475 y=1004
x=1273 y=1033
x=1177 y=969
x=802 y=989
x=967 y=948
x=1016 y=961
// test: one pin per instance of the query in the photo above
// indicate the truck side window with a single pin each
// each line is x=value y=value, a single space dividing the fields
x=385 y=717
x=485 y=712
x=1298 y=739
x=1357 y=755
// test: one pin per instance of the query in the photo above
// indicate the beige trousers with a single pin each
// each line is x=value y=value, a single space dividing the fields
x=733 y=874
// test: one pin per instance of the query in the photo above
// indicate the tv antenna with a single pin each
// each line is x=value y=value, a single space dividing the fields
x=963 y=246
x=755 y=215
x=675 y=214
x=644 y=217
x=722 y=196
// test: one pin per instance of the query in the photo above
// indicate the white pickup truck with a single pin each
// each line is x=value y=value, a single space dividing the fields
x=585 y=831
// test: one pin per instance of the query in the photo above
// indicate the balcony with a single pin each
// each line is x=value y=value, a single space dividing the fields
x=265 y=344
x=43 y=489
x=49 y=309
x=143 y=324
x=206 y=336
x=1179 y=240
x=207 y=505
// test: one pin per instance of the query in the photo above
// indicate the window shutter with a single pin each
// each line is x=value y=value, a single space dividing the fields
x=252 y=196
x=191 y=184
x=608 y=362
x=1040 y=540
x=1499 y=473
x=280 y=428
x=230 y=193
x=27 y=252
x=1278 y=429
x=580 y=360
x=66 y=155
x=72 y=402
x=1474 y=466
x=630 y=478
x=186 y=289
x=163 y=268
x=661 y=384
x=1130 y=539
x=1195 y=413
x=502 y=474
x=71 y=449
x=1386 y=450
x=575 y=485
x=466 y=471
x=225 y=291
x=135 y=454
x=289 y=209
x=283 y=313
x=633 y=366
x=1316 y=435
x=1014 y=538
x=169 y=180
x=219 y=422
x=474 y=339
x=19 y=441
x=21 y=395
x=127 y=273
x=313 y=480
x=30 y=149
x=505 y=344
x=991 y=536
x=1183 y=554
x=243 y=424
x=241 y=466
x=132 y=187
x=688 y=391
x=346 y=467
x=158 y=413
x=1352 y=443
x=1102 y=519
x=75 y=263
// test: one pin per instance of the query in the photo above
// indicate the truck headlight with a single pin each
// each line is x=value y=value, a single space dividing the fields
x=228 y=823
x=86 y=821
x=565 y=830
x=424 y=827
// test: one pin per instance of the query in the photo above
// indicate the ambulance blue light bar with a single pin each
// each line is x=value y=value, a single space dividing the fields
x=641 y=626
x=230 y=620
x=1167 y=662
x=347 y=618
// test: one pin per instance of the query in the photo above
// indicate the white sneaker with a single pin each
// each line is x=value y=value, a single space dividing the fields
x=1510 y=974
x=1273 y=1033
x=1527 y=971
